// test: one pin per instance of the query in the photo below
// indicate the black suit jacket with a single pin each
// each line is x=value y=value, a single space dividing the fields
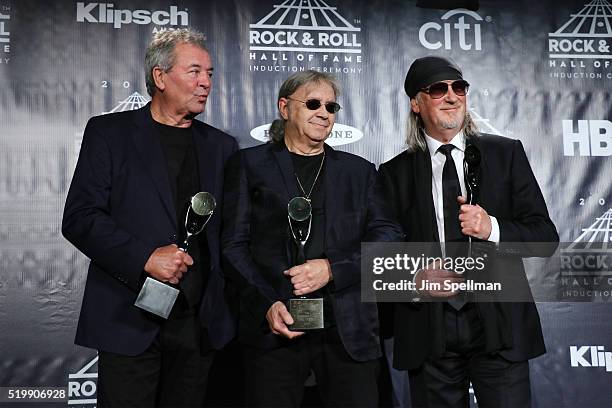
x=260 y=182
x=509 y=192
x=119 y=209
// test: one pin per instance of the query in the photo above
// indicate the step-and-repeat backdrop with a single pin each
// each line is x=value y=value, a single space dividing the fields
x=541 y=72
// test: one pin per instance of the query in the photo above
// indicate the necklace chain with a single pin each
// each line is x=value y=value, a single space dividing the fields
x=315 y=180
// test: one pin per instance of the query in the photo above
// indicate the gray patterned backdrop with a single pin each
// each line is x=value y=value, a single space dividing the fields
x=541 y=72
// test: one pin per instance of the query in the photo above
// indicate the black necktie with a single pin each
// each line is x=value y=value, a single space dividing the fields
x=450 y=190
x=452 y=226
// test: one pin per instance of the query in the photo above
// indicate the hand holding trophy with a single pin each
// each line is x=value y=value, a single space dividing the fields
x=157 y=297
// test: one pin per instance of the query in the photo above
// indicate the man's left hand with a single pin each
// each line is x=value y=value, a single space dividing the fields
x=474 y=219
x=309 y=276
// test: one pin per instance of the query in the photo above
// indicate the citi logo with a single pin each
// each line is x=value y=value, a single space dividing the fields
x=105 y=13
x=340 y=134
x=591 y=356
x=588 y=137
x=434 y=36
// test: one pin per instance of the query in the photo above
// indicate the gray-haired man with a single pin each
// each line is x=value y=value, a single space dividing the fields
x=125 y=210
x=346 y=208
x=445 y=345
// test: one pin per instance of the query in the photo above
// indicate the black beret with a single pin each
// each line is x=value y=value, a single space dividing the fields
x=427 y=70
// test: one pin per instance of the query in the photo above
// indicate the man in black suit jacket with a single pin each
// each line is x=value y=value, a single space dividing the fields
x=347 y=209
x=125 y=210
x=445 y=345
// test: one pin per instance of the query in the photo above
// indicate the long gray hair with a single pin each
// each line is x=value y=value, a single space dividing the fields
x=160 y=52
x=288 y=88
x=415 y=132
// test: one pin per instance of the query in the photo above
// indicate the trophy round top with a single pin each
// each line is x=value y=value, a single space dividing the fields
x=299 y=209
x=203 y=203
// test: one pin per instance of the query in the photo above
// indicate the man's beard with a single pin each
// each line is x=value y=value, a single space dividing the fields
x=451 y=123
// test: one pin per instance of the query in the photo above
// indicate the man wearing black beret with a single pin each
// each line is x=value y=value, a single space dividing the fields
x=447 y=344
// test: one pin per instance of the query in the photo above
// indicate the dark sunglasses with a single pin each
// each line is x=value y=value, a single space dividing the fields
x=439 y=89
x=314 y=104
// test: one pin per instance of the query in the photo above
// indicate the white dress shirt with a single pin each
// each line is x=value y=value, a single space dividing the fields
x=437 y=165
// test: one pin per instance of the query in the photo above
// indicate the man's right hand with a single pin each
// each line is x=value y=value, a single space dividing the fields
x=433 y=273
x=168 y=264
x=278 y=318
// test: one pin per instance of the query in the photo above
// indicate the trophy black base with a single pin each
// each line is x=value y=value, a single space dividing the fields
x=307 y=314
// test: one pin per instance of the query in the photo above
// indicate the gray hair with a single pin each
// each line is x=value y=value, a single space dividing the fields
x=415 y=132
x=160 y=52
x=288 y=88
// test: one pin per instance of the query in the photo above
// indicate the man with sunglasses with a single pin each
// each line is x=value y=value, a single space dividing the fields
x=346 y=208
x=447 y=344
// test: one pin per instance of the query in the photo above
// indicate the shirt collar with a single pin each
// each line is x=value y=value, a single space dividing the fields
x=433 y=145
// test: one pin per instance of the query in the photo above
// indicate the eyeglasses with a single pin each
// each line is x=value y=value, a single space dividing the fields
x=439 y=89
x=314 y=104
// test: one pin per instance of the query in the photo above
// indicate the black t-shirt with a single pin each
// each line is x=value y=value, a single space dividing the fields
x=183 y=173
x=306 y=168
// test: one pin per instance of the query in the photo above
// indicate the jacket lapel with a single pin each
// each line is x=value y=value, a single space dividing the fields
x=152 y=157
x=283 y=159
x=422 y=181
x=333 y=182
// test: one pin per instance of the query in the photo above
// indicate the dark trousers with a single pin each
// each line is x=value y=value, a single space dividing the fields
x=275 y=378
x=444 y=382
x=172 y=372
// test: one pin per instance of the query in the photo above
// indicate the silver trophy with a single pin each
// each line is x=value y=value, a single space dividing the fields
x=157 y=297
x=307 y=312
x=198 y=214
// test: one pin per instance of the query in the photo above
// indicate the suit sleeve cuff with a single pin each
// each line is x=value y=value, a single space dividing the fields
x=494 y=237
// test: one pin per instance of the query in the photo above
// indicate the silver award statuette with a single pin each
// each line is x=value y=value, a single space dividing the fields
x=299 y=211
x=198 y=214
x=307 y=312
x=157 y=297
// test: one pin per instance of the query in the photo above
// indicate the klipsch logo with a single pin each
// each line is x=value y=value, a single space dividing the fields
x=305 y=34
x=83 y=385
x=581 y=47
x=587 y=138
x=591 y=356
x=5 y=34
x=460 y=28
x=105 y=13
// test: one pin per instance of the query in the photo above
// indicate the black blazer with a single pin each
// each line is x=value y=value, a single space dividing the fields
x=259 y=184
x=119 y=209
x=509 y=192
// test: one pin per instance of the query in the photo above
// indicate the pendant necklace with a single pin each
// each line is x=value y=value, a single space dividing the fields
x=307 y=196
